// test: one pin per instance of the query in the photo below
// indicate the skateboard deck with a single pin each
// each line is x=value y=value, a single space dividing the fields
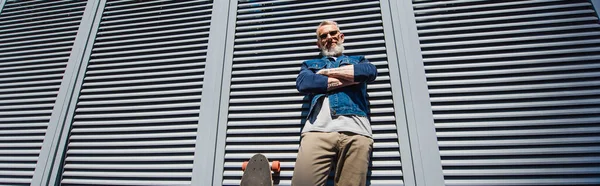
x=257 y=171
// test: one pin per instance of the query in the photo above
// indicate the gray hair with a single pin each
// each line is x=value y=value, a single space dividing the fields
x=327 y=22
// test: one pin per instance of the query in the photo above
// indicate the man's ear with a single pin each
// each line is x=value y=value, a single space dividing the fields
x=342 y=37
x=318 y=44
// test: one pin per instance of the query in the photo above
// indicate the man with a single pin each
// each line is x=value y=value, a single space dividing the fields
x=337 y=127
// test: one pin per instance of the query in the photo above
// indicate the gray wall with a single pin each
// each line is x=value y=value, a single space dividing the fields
x=182 y=92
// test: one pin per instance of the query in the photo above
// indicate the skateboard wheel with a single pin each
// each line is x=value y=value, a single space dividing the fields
x=276 y=166
x=244 y=165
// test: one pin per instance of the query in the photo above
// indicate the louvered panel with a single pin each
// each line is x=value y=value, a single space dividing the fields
x=36 y=39
x=265 y=109
x=137 y=115
x=514 y=90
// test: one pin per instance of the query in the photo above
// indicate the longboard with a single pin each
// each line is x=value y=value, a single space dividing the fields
x=257 y=171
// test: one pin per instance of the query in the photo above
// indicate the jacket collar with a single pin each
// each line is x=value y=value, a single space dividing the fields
x=325 y=58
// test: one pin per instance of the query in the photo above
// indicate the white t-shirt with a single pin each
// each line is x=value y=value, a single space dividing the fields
x=321 y=121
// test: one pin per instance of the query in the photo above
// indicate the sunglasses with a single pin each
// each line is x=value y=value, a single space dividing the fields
x=332 y=34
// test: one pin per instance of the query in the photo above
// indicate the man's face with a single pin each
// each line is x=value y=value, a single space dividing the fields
x=329 y=37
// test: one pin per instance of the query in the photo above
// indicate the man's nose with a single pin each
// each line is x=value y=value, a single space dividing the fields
x=329 y=37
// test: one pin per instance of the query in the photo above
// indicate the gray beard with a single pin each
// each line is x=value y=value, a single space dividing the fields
x=335 y=51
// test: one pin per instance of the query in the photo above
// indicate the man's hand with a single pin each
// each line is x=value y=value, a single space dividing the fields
x=345 y=73
x=334 y=83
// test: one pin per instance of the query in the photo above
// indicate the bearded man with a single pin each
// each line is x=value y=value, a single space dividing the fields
x=337 y=127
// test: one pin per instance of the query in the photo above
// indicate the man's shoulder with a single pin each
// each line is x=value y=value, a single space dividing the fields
x=357 y=57
x=312 y=61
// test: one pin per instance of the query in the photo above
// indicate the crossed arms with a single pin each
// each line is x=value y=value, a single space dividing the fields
x=326 y=80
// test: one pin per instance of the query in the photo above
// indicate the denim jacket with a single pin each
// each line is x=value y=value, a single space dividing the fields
x=350 y=100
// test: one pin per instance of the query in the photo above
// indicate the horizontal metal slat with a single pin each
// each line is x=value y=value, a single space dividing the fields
x=102 y=181
x=133 y=5
x=545 y=151
x=141 y=94
x=53 y=33
x=43 y=10
x=151 y=45
x=19 y=151
x=202 y=14
x=75 y=21
x=138 y=7
x=425 y=46
x=130 y=151
x=26 y=106
x=142 y=81
x=515 y=47
x=144 y=57
x=308 y=16
x=286 y=13
x=15 y=5
x=136 y=114
x=47 y=54
x=163 y=11
x=136 y=136
x=85 y=103
x=128 y=167
x=520 y=123
x=522 y=161
x=475 y=81
x=16 y=180
x=511 y=114
x=144 y=73
x=29 y=42
x=123 y=66
x=503 y=63
x=515 y=105
x=515 y=70
x=254 y=7
x=514 y=54
x=421 y=18
x=140 y=52
x=435 y=4
x=507 y=25
x=519 y=132
x=520 y=181
x=22 y=144
x=133 y=143
x=554 y=94
x=518 y=142
x=151 y=158
x=141 y=88
x=140 y=128
x=26 y=112
x=142 y=107
x=482 y=21
x=503 y=33
x=39 y=21
x=37 y=94
x=517 y=172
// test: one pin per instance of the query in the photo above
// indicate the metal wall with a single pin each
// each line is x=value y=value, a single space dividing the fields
x=133 y=92
x=514 y=90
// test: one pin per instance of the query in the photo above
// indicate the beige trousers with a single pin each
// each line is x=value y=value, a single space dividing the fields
x=319 y=149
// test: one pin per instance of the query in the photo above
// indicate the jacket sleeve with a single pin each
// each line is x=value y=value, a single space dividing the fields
x=308 y=82
x=364 y=71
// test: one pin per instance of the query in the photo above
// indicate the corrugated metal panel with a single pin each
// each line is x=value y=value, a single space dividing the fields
x=137 y=115
x=514 y=90
x=266 y=111
x=36 y=39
